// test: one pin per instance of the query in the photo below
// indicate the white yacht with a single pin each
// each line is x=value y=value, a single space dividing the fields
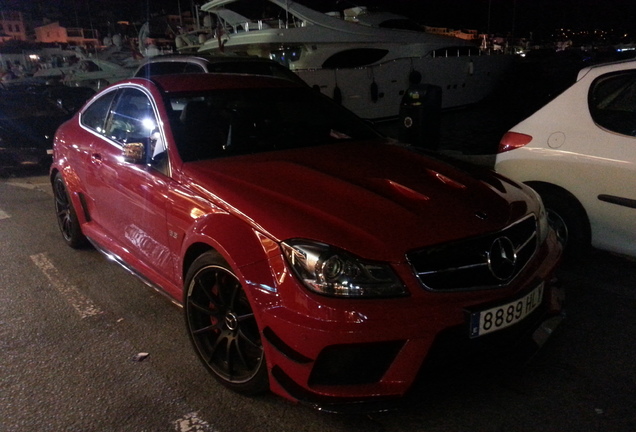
x=362 y=57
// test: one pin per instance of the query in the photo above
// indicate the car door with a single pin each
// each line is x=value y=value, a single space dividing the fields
x=130 y=197
x=612 y=182
x=89 y=147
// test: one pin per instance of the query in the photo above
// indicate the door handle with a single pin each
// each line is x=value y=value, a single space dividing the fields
x=625 y=202
x=96 y=158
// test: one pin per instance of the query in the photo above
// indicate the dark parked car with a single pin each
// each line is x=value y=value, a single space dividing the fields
x=312 y=256
x=69 y=98
x=171 y=64
x=27 y=124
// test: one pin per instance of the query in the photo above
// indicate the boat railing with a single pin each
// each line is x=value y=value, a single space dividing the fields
x=261 y=24
x=462 y=52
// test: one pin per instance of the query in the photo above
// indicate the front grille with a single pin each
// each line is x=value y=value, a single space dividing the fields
x=482 y=262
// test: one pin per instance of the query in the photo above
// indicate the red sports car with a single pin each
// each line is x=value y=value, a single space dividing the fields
x=312 y=256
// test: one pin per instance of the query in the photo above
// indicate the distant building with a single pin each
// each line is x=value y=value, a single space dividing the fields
x=82 y=37
x=51 y=33
x=55 y=33
x=12 y=26
x=469 y=35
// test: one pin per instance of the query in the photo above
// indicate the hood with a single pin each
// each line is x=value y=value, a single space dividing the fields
x=375 y=200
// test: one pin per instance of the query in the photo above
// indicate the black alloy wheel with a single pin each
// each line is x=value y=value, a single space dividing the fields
x=222 y=326
x=65 y=213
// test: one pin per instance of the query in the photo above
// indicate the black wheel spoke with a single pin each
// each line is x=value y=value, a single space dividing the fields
x=212 y=297
x=244 y=337
x=60 y=194
x=218 y=345
x=239 y=354
x=208 y=329
x=236 y=290
x=205 y=309
x=221 y=286
x=245 y=317
x=229 y=359
x=202 y=287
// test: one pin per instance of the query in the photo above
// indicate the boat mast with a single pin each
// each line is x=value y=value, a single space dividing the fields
x=489 y=10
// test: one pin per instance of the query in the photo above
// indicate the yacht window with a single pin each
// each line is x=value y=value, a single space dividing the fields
x=352 y=58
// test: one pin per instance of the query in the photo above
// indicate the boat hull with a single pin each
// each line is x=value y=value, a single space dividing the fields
x=464 y=80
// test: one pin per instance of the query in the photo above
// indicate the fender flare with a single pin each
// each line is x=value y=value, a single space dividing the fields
x=238 y=243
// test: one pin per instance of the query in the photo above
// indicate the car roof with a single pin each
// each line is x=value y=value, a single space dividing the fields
x=205 y=58
x=204 y=82
x=607 y=67
x=209 y=64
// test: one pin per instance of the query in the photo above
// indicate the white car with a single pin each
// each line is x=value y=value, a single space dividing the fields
x=579 y=153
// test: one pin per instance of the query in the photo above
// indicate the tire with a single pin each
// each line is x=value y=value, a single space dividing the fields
x=222 y=326
x=66 y=216
x=568 y=218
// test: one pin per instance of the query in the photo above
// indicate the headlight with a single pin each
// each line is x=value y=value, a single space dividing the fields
x=329 y=271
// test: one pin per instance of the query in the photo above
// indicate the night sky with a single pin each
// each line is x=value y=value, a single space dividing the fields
x=506 y=16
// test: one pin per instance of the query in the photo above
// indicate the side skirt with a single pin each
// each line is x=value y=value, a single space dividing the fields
x=117 y=259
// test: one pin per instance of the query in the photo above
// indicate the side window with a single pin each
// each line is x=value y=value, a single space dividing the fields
x=133 y=120
x=612 y=102
x=95 y=115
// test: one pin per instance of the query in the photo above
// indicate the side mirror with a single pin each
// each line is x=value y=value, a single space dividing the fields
x=135 y=152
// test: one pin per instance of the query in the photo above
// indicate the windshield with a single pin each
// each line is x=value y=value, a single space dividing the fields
x=233 y=122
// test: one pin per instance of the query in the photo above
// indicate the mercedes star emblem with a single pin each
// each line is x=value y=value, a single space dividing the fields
x=502 y=258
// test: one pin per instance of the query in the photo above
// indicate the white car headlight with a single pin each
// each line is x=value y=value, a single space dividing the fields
x=329 y=271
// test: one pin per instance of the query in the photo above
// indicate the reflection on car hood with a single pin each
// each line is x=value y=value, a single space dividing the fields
x=375 y=200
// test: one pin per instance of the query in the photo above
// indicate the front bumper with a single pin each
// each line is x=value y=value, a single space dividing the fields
x=336 y=353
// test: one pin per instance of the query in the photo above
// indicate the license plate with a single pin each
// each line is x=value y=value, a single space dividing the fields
x=500 y=317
